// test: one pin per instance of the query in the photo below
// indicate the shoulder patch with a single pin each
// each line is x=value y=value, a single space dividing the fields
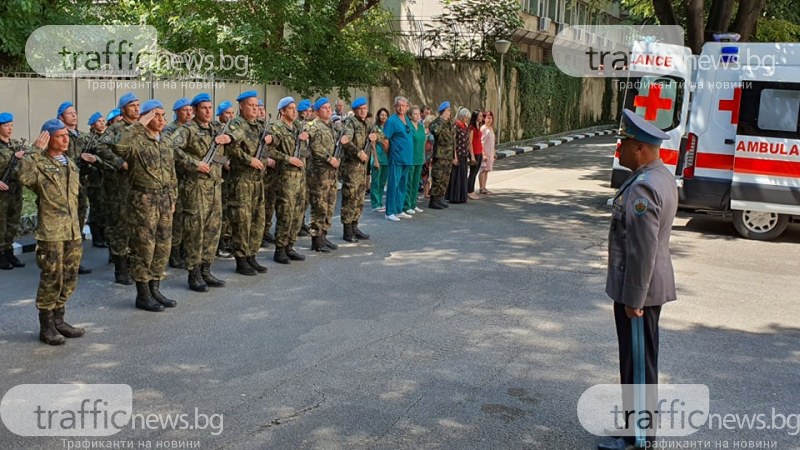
x=640 y=206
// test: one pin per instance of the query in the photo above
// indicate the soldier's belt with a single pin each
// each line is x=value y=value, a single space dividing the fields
x=152 y=191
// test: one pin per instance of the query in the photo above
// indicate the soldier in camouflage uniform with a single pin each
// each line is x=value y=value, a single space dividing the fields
x=183 y=114
x=10 y=192
x=355 y=157
x=443 y=154
x=270 y=193
x=151 y=203
x=54 y=178
x=225 y=114
x=201 y=190
x=92 y=176
x=305 y=114
x=116 y=187
x=290 y=160
x=321 y=174
x=246 y=207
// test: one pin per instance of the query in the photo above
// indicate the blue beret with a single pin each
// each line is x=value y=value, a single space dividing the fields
x=53 y=125
x=245 y=95
x=200 y=98
x=113 y=115
x=6 y=117
x=125 y=99
x=285 y=101
x=180 y=103
x=320 y=103
x=95 y=117
x=63 y=107
x=444 y=106
x=224 y=106
x=303 y=105
x=260 y=102
x=638 y=128
x=149 y=106
x=359 y=102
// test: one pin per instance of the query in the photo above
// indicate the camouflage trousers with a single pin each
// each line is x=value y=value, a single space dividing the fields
x=354 y=186
x=289 y=206
x=10 y=214
x=440 y=171
x=225 y=232
x=270 y=193
x=150 y=222
x=59 y=261
x=97 y=217
x=202 y=220
x=177 y=219
x=246 y=213
x=83 y=207
x=322 y=198
x=117 y=187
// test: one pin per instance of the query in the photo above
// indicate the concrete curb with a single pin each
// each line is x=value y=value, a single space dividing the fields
x=527 y=146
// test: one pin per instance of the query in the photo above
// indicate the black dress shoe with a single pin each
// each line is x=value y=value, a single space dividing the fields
x=13 y=259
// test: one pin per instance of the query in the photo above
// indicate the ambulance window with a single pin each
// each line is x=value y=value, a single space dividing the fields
x=658 y=100
x=778 y=110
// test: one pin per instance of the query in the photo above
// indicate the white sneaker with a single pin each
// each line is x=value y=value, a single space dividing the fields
x=410 y=211
x=393 y=218
x=381 y=209
x=418 y=209
x=403 y=215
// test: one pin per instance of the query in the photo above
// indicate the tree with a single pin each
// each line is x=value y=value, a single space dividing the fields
x=467 y=29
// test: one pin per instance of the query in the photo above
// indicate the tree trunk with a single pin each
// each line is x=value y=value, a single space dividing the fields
x=694 y=23
x=664 y=12
x=746 y=17
x=719 y=17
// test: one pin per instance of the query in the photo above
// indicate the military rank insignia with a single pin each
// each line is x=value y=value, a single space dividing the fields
x=640 y=206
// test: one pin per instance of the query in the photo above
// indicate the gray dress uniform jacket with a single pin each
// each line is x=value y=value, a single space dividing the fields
x=640 y=270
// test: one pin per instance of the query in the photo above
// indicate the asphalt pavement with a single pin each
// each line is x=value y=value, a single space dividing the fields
x=477 y=327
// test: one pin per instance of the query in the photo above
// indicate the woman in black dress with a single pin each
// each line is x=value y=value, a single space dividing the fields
x=457 y=189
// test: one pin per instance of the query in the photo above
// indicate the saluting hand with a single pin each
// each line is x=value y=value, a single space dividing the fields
x=222 y=140
x=146 y=118
x=634 y=312
x=42 y=141
x=203 y=167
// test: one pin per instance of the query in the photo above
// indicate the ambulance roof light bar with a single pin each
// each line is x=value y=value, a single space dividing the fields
x=727 y=37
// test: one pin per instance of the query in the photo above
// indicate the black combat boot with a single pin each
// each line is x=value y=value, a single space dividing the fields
x=358 y=233
x=328 y=243
x=82 y=270
x=255 y=265
x=196 y=282
x=175 y=259
x=348 y=233
x=435 y=204
x=244 y=268
x=5 y=264
x=47 y=329
x=98 y=239
x=293 y=255
x=304 y=230
x=145 y=300
x=280 y=256
x=121 y=273
x=211 y=280
x=13 y=259
x=269 y=238
x=155 y=291
x=64 y=328
x=318 y=245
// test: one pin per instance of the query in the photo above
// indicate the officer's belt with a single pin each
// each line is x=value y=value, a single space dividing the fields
x=153 y=191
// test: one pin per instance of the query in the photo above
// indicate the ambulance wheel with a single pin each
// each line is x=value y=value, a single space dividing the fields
x=759 y=225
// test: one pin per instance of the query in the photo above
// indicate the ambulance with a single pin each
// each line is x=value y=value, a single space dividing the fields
x=741 y=153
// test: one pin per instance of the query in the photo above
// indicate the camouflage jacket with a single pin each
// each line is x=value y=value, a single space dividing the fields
x=245 y=136
x=105 y=148
x=444 y=138
x=56 y=188
x=172 y=127
x=282 y=148
x=322 y=142
x=7 y=151
x=191 y=143
x=151 y=164
x=88 y=142
x=358 y=131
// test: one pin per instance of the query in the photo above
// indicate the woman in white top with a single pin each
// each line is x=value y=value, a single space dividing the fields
x=489 y=155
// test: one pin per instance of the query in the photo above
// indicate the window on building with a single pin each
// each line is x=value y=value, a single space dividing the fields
x=553 y=9
x=568 y=4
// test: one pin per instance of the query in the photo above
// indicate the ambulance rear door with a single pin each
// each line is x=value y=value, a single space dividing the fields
x=658 y=91
x=765 y=190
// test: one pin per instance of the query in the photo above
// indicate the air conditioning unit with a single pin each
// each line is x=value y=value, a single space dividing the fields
x=544 y=23
x=561 y=27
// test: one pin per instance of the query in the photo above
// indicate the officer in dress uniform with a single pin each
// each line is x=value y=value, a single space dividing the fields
x=640 y=276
